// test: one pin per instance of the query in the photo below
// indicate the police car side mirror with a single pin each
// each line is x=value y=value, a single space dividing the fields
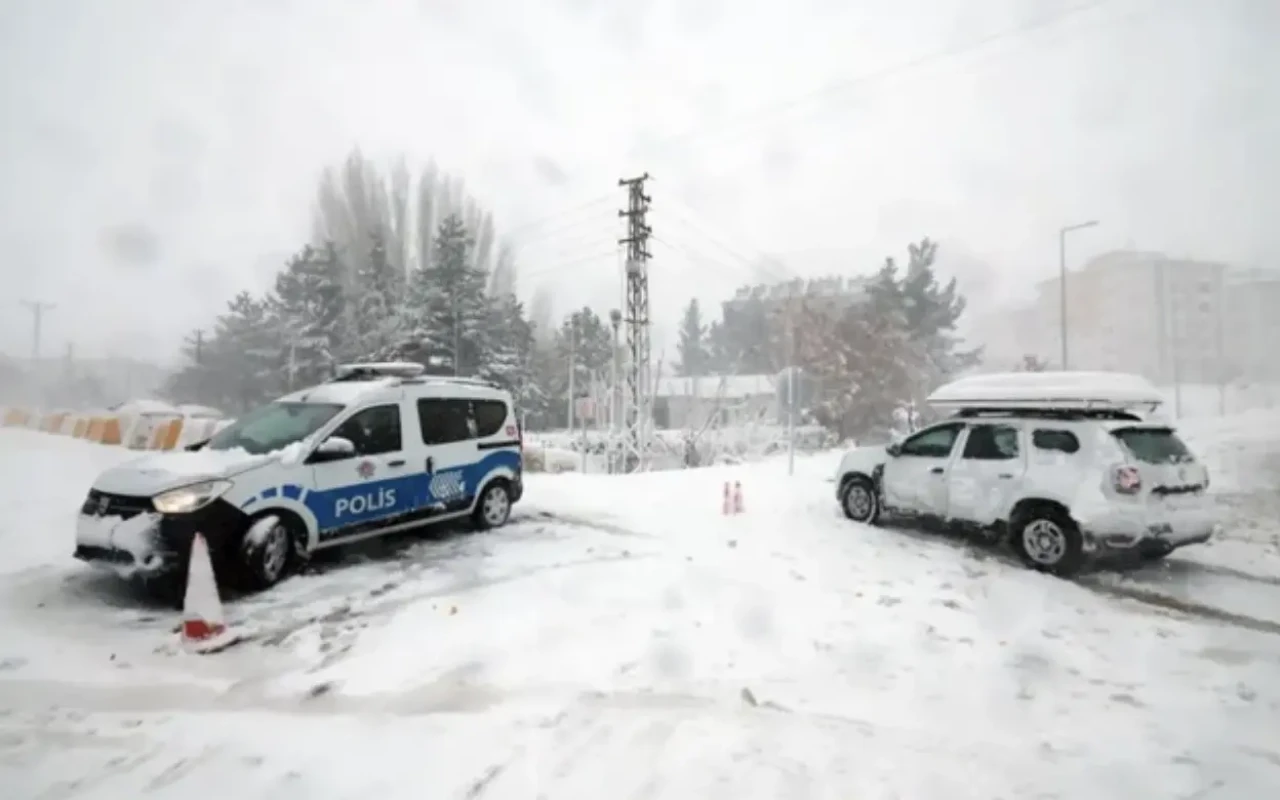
x=894 y=449
x=335 y=448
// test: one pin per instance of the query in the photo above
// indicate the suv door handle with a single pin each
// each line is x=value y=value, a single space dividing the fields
x=399 y=462
x=937 y=470
x=1004 y=476
x=431 y=464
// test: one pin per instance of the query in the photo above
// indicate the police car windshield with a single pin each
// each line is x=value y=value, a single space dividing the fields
x=273 y=426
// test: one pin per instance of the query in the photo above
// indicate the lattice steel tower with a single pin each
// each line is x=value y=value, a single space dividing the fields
x=638 y=395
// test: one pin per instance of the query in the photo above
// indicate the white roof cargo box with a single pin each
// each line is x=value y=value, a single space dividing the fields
x=1084 y=391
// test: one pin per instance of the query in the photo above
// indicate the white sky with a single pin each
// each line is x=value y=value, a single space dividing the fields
x=200 y=128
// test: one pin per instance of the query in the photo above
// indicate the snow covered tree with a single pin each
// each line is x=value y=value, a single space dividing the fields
x=928 y=311
x=311 y=304
x=238 y=365
x=447 y=313
x=695 y=357
x=380 y=298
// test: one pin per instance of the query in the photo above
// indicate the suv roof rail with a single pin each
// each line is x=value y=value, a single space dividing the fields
x=421 y=379
x=1042 y=412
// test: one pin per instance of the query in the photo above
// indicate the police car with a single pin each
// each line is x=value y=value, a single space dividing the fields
x=378 y=449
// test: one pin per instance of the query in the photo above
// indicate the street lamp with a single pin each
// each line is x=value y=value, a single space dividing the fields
x=1062 y=278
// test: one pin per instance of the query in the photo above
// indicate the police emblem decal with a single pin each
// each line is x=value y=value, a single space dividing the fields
x=447 y=485
x=365 y=469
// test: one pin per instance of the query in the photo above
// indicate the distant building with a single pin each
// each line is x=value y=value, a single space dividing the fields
x=1252 y=328
x=1133 y=311
x=715 y=401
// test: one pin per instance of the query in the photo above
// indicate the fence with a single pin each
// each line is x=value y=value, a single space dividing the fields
x=135 y=431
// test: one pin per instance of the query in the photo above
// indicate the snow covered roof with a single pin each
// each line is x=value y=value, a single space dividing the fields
x=192 y=410
x=144 y=406
x=1049 y=389
x=732 y=387
x=344 y=393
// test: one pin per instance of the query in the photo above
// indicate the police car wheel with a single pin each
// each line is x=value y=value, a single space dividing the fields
x=494 y=508
x=267 y=561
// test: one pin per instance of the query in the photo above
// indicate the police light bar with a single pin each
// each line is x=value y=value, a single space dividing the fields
x=380 y=369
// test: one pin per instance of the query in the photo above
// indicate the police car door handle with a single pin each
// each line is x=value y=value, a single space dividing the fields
x=399 y=462
x=431 y=464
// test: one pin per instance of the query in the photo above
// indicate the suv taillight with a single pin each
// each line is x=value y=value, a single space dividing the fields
x=1127 y=480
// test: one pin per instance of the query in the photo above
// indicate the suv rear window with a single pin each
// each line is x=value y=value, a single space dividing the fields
x=1154 y=445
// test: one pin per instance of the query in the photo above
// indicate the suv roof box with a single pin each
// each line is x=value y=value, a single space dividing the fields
x=1050 y=391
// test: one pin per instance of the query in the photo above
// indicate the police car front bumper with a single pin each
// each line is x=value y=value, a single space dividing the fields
x=126 y=535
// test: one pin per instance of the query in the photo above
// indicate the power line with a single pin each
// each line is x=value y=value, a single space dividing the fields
x=825 y=93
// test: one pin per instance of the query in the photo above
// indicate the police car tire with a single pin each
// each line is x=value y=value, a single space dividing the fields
x=252 y=563
x=478 y=517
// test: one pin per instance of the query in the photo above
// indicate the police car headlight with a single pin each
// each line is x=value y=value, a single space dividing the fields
x=186 y=499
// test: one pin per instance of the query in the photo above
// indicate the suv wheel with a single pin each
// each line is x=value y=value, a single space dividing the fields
x=268 y=552
x=1049 y=541
x=494 y=507
x=859 y=501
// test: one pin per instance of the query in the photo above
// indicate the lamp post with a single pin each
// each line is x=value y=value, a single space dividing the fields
x=1062 y=279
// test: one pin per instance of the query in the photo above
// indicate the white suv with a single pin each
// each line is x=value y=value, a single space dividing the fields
x=378 y=449
x=1059 y=463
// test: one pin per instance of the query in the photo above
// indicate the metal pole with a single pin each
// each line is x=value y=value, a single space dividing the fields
x=573 y=366
x=1062 y=293
x=791 y=389
x=1062 y=281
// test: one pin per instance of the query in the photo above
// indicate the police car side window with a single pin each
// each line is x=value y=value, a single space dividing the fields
x=490 y=416
x=374 y=431
x=445 y=420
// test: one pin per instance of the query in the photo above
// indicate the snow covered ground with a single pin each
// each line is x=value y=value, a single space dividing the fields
x=621 y=638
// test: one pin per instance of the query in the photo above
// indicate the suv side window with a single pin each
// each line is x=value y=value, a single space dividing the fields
x=933 y=443
x=445 y=420
x=991 y=443
x=1061 y=441
x=374 y=431
x=490 y=416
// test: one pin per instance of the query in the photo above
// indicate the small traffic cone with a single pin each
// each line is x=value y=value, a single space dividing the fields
x=726 y=506
x=738 y=508
x=203 y=628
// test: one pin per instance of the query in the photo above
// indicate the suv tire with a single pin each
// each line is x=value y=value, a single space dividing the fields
x=860 y=501
x=1048 y=540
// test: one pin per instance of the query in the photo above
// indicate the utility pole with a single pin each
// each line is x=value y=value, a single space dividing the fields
x=1062 y=279
x=573 y=366
x=639 y=410
x=615 y=396
x=791 y=382
x=196 y=340
x=37 y=310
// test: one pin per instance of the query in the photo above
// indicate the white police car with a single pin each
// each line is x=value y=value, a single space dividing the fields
x=378 y=449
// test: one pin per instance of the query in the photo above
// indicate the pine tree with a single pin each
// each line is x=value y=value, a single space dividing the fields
x=380 y=298
x=236 y=367
x=312 y=308
x=695 y=357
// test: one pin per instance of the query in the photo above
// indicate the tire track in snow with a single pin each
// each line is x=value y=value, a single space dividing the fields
x=1134 y=586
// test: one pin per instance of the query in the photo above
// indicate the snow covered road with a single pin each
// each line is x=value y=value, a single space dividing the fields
x=624 y=639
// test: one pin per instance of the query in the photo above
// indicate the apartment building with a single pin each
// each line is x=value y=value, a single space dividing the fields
x=1252 y=329
x=1132 y=311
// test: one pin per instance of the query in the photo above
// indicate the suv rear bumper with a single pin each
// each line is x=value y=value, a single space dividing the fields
x=1123 y=529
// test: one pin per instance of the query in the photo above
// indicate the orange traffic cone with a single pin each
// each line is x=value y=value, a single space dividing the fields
x=737 y=498
x=203 y=628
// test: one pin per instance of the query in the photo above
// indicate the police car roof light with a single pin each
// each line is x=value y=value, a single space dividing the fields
x=382 y=369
